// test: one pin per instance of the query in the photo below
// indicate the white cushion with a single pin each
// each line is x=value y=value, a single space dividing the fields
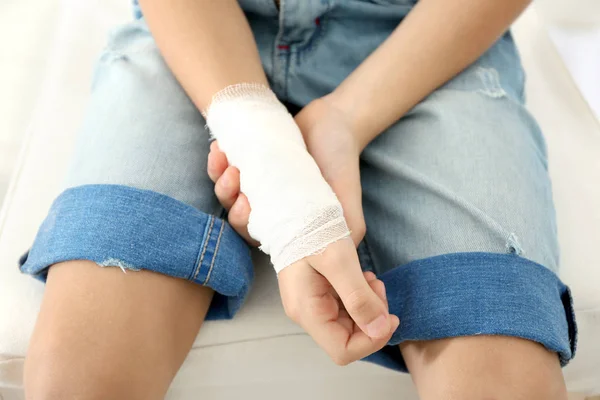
x=260 y=352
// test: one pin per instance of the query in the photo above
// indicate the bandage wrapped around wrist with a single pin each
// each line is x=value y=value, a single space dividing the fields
x=294 y=212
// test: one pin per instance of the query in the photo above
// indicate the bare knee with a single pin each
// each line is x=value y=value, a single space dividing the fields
x=47 y=378
x=102 y=334
x=484 y=367
x=55 y=373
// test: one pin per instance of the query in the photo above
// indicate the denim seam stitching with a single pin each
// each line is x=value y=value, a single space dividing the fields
x=205 y=245
x=215 y=253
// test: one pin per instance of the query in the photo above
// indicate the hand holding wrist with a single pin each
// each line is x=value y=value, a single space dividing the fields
x=351 y=111
x=294 y=212
x=332 y=143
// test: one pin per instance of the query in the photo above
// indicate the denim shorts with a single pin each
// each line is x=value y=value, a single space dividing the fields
x=456 y=194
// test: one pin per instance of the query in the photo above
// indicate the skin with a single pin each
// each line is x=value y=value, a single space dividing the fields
x=210 y=39
x=462 y=368
x=144 y=318
x=103 y=334
x=440 y=38
x=484 y=368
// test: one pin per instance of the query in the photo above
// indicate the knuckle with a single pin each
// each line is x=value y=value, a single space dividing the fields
x=317 y=309
x=378 y=285
x=357 y=301
x=239 y=222
x=382 y=343
x=210 y=168
x=235 y=216
x=340 y=358
x=292 y=311
x=219 y=191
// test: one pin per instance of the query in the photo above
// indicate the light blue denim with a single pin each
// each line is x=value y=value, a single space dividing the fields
x=456 y=195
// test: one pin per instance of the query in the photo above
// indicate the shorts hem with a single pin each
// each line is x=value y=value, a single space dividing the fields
x=469 y=294
x=121 y=226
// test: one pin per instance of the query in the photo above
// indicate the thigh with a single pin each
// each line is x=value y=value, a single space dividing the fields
x=133 y=250
x=137 y=195
x=102 y=334
x=460 y=219
x=141 y=130
x=464 y=171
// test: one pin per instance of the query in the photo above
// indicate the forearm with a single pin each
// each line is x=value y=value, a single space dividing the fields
x=207 y=44
x=437 y=40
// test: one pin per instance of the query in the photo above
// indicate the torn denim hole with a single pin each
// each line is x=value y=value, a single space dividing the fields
x=112 y=56
x=491 y=82
x=513 y=246
x=123 y=53
x=113 y=262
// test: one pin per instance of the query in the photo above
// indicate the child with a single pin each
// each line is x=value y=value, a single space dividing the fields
x=411 y=128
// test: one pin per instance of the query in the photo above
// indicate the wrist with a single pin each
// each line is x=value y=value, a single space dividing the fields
x=323 y=116
x=300 y=214
x=353 y=112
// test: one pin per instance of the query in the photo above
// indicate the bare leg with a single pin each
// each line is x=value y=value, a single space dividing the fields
x=484 y=368
x=104 y=334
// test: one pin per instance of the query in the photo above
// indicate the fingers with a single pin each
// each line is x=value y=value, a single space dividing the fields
x=342 y=345
x=343 y=341
x=377 y=286
x=227 y=187
x=226 y=178
x=369 y=276
x=340 y=266
x=360 y=345
x=217 y=162
x=227 y=190
x=238 y=218
x=309 y=301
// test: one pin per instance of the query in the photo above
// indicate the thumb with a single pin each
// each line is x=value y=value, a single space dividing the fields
x=340 y=266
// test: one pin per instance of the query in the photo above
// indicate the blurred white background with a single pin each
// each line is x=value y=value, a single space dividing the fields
x=25 y=26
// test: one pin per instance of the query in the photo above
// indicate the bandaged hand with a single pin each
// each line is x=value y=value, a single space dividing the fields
x=324 y=289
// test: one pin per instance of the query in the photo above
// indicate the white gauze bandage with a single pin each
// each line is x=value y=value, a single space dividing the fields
x=294 y=212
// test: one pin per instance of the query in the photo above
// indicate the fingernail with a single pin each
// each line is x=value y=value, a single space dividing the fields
x=379 y=327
